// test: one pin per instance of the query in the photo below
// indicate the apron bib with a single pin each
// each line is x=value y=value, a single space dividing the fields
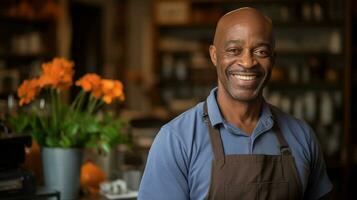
x=252 y=177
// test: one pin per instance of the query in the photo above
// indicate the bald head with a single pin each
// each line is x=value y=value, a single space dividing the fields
x=244 y=16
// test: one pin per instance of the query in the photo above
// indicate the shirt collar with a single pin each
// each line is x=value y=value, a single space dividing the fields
x=213 y=110
x=265 y=121
x=215 y=116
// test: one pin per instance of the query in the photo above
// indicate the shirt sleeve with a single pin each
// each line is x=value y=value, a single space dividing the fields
x=165 y=174
x=319 y=183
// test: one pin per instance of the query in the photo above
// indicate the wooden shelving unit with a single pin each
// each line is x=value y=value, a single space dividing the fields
x=310 y=68
x=27 y=38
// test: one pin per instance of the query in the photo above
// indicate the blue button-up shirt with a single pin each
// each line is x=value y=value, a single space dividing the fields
x=180 y=159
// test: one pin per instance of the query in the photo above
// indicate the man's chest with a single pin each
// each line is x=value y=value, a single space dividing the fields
x=200 y=165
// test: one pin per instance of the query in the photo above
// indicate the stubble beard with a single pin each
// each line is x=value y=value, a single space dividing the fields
x=236 y=93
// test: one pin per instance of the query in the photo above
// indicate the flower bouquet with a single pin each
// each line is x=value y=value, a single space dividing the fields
x=53 y=121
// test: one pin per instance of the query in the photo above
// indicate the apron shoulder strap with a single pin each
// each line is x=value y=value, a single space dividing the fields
x=284 y=147
x=216 y=140
x=215 y=136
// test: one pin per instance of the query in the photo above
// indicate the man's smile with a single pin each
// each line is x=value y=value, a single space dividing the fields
x=245 y=79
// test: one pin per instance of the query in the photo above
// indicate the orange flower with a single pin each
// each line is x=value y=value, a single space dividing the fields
x=112 y=89
x=28 y=91
x=58 y=74
x=91 y=82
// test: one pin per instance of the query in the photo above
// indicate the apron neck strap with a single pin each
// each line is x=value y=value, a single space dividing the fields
x=215 y=137
x=216 y=140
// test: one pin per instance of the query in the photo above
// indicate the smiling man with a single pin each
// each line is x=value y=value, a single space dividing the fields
x=235 y=145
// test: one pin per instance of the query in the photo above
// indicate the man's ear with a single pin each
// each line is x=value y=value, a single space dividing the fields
x=213 y=55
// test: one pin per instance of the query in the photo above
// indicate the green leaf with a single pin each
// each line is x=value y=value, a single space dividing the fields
x=105 y=147
x=91 y=144
x=65 y=142
x=19 y=122
x=72 y=129
x=51 y=142
x=91 y=127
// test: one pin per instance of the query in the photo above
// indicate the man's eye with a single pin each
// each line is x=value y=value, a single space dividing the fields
x=234 y=51
x=262 y=53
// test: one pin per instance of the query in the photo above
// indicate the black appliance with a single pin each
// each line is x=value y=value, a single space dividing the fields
x=15 y=183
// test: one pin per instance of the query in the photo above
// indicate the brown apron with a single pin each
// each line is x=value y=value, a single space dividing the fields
x=252 y=177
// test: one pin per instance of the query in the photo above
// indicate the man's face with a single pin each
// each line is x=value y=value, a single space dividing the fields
x=243 y=55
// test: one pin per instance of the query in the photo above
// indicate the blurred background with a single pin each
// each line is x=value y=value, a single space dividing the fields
x=159 y=50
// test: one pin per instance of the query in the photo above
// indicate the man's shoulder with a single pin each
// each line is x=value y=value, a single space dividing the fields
x=294 y=129
x=186 y=119
x=288 y=119
x=185 y=127
x=297 y=133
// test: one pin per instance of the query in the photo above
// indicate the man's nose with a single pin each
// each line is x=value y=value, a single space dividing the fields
x=247 y=60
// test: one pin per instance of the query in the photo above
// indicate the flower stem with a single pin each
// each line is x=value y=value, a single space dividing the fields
x=77 y=104
x=91 y=104
x=100 y=103
x=53 y=108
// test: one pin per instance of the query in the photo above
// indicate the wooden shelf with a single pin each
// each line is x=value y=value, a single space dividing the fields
x=306 y=53
x=308 y=24
x=25 y=57
x=277 y=25
x=280 y=52
x=314 y=86
x=21 y=21
x=249 y=1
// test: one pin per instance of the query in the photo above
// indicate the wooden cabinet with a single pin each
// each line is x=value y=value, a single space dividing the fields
x=308 y=78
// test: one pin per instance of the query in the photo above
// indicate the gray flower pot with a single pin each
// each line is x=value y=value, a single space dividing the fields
x=61 y=168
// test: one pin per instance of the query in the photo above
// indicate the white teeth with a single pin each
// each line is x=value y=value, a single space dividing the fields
x=244 y=77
